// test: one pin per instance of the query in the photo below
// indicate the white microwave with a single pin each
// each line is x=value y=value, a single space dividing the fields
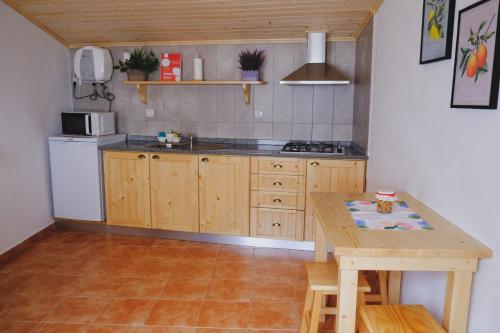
x=88 y=123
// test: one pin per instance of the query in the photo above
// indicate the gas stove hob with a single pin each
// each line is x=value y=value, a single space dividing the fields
x=313 y=148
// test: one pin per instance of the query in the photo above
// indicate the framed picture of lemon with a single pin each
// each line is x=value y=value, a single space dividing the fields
x=477 y=56
x=437 y=30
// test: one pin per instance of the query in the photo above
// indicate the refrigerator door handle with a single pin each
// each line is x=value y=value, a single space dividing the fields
x=88 y=130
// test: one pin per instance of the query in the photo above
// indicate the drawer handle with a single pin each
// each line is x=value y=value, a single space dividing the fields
x=277 y=184
x=276 y=224
x=277 y=201
x=156 y=157
x=314 y=163
x=141 y=157
x=277 y=166
x=205 y=159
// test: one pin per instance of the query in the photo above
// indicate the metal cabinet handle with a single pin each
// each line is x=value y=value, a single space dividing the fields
x=156 y=157
x=277 y=201
x=141 y=157
x=276 y=224
x=204 y=159
x=277 y=166
x=314 y=163
x=277 y=184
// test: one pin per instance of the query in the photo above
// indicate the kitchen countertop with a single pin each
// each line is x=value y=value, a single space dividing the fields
x=231 y=147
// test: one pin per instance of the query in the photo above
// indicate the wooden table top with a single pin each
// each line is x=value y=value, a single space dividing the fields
x=444 y=241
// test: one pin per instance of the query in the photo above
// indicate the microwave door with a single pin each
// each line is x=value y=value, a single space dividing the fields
x=76 y=123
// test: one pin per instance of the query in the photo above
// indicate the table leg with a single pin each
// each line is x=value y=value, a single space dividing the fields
x=456 y=307
x=346 y=300
x=320 y=243
x=394 y=287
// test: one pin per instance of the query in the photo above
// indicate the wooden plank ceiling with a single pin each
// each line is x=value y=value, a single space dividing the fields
x=146 y=22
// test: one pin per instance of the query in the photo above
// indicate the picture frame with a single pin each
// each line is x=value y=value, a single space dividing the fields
x=477 y=57
x=436 y=39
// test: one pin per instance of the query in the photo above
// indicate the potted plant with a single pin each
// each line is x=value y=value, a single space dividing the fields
x=138 y=64
x=250 y=63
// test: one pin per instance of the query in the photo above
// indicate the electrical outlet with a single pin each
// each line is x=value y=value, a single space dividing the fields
x=258 y=114
x=150 y=113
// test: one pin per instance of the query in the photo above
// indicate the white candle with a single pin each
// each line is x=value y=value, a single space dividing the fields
x=198 y=68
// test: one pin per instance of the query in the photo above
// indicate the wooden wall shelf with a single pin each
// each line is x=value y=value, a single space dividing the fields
x=142 y=86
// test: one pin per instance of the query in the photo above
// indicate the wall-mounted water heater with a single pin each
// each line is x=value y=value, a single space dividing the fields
x=93 y=65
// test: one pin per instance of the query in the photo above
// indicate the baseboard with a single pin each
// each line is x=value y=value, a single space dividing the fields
x=11 y=254
x=188 y=236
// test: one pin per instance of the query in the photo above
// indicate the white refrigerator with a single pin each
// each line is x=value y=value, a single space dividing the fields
x=77 y=176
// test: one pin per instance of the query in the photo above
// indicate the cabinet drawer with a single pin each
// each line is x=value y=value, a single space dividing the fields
x=279 y=183
x=277 y=223
x=281 y=166
x=278 y=200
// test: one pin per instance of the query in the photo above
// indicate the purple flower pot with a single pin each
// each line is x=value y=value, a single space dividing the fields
x=250 y=75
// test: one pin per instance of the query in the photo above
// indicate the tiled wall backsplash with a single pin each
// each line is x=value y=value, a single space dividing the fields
x=288 y=112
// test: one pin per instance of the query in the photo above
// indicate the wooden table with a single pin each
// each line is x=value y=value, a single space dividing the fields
x=446 y=249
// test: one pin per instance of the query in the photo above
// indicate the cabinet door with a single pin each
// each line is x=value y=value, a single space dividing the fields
x=127 y=189
x=331 y=176
x=277 y=223
x=174 y=192
x=224 y=195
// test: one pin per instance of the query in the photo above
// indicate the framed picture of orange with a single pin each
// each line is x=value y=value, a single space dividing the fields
x=437 y=30
x=477 y=56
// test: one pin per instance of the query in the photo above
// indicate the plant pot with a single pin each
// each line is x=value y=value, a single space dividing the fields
x=250 y=75
x=137 y=75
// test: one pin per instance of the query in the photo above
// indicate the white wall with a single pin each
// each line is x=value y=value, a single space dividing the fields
x=34 y=89
x=448 y=158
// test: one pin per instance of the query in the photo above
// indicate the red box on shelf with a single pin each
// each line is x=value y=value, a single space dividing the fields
x=170 y=67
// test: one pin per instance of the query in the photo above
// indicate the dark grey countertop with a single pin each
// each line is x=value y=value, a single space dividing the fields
x=230 y=147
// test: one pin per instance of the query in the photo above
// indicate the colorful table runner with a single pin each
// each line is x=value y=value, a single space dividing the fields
x=365 y=215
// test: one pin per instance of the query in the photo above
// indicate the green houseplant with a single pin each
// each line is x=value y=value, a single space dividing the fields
x=250 y=64
x=140 y=63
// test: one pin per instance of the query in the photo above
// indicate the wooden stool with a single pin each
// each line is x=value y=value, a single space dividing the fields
x=397 y=319
x=322 y=278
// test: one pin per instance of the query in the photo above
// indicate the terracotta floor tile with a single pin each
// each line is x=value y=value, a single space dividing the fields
x=276 y=291
x=19 y=327
x=141 y=241
x=141 y=288
x=79 y=238
x=282 y=272
x=230 y=290
x=97 y=286
x=126 y=311
x=203 y=245
x=185 y=289
x=221 y=330
x=201 y=253
x=76 y=266
x=272 y=331
x=159 y=252
x=64 y=250
x=154 y=268
x=224 y=314
x=233 y=270
x=265 y=315
x=55 y=236
x=60 y=328
x=116 y=267
x=27 y=308
x=162 y=242
x=110 y=329
x=31 y=264
x=268 y=255
x=174 y=313
x=80 y=310
x=236 y=254
x=123 y=252
x=152 y=329
x=193 y=269
x=48 y=284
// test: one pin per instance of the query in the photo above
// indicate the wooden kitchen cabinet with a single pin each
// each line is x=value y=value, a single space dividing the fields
x=127 y=192
x=277 y=223
x=224 y=194
x=174 y=192
x=339 y=176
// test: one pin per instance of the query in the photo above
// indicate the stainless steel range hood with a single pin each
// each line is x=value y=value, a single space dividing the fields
x=316 y=71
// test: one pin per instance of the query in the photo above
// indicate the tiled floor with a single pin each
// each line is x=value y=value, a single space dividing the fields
x=87 y=282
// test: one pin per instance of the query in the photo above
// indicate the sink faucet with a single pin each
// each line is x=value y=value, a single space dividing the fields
x=191 y=142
